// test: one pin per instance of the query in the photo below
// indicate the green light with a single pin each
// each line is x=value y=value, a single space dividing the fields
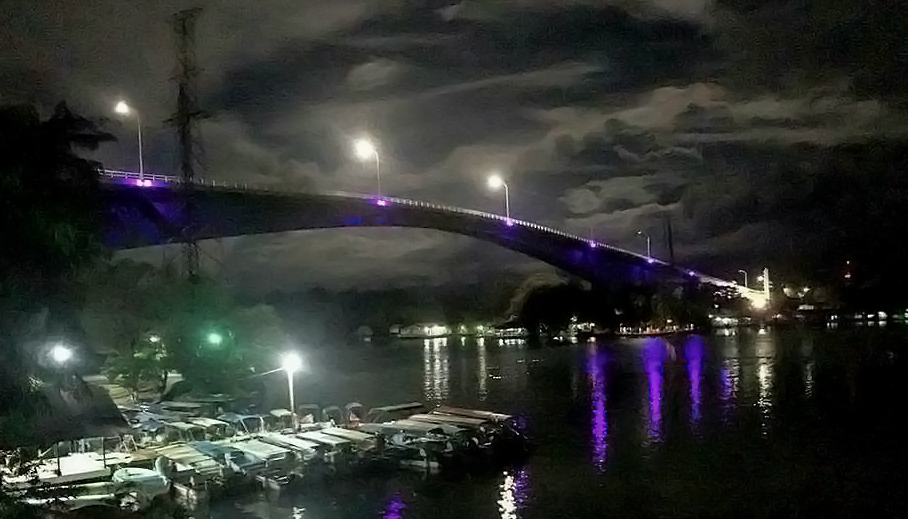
x=215 y=338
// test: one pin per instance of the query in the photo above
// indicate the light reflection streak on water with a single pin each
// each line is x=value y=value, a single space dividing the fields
x=693 y=352
x=395 y=508
x=427 y=369
x=765 y=351
x=809 y=369
x=809 y=366
x=436 y=374
x=482 y=369
x=730 y=379
x=514 y=492
x=512 y=365
x=764 y=402
x=595 y=369
x=653 y=359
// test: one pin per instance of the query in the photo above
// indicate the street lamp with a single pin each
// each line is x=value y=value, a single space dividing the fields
x=649 y=254
x=61 y=354
x=291 y=363
x=366 y=150
x=215 y=339
x=745 y=276
x=125 y=110
x=495 y=183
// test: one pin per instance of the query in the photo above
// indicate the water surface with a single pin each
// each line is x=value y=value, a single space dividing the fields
x=777 y=423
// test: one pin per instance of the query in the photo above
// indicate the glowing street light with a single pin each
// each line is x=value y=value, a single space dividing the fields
x=291 y=362
x=649 y=254
x=125 y=110
x=366 y=150
x=745 y=275
x=215 y=338
x=495 y=183
x=61 y=354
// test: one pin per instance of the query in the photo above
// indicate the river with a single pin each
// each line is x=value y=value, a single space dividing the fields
x=769 y=423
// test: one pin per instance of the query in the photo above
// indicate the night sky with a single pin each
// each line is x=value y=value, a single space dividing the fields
x=734 y=117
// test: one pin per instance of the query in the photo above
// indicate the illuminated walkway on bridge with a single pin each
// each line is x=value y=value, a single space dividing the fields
x=166 y=181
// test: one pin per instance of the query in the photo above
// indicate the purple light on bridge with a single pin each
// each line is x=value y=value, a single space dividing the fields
x=143 y=183
x=691 y=273
x=653 y=360
x=592 y=244
x=509 y=222
x=381 y=202
x=693 y=352
x=650 y=260
x=395 y=508
x=595 y=370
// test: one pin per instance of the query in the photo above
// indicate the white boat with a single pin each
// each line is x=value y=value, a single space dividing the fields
x=280 y=464
x=129 y=488
x=337 y=450
x=63 y=470
x=305 y=449
x=193 y=466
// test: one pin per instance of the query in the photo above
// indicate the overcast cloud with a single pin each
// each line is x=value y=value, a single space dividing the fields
x=605 y=116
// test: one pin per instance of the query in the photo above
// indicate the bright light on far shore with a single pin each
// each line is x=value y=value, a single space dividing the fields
x=122 y=108
x=495 y=181
x=291 y=362
x=61 y=354
x=759 y=303
x=364 y=149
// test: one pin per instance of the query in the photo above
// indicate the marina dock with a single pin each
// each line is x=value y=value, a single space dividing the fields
x=202 y=456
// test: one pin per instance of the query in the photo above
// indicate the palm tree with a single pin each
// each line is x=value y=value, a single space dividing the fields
x=50 y=225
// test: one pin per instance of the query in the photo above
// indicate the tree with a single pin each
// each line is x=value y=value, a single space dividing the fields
x=49 y=227
x=151 y=321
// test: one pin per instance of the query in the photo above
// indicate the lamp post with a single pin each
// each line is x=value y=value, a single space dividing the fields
x=649 y=252
x=124 y=109
x=291 y=363
x=61 y=354
x=745 y=276
x=365 y=150
x=214 y=338
x=496 y=182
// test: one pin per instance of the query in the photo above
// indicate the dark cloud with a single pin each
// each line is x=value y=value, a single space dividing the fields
x=743 y=121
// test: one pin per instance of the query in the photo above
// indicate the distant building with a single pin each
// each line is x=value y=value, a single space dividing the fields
x=419 y=331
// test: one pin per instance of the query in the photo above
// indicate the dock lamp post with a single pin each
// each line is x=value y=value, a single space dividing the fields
x=366 y=150
x=125 y=110
x=745 y=276
x=291 y=362
x=61 y=354
x=649 y=251
x=495 y=183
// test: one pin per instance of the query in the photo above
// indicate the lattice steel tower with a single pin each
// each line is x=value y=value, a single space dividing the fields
x=185 y=119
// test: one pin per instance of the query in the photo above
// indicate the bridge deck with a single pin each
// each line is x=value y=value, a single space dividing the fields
x=167 y=181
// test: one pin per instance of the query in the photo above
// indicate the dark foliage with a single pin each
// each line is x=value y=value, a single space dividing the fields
x=49 y=228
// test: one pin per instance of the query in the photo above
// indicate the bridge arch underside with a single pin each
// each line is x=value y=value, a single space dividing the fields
x=141 y=218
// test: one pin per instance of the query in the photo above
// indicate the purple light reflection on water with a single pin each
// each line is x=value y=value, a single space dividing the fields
x=654 y=353
x=395 y=508
x=522 y=492
x=693 y=352
x=595 y=370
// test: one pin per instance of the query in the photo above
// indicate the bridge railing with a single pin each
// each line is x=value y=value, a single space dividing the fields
x=149 y=180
